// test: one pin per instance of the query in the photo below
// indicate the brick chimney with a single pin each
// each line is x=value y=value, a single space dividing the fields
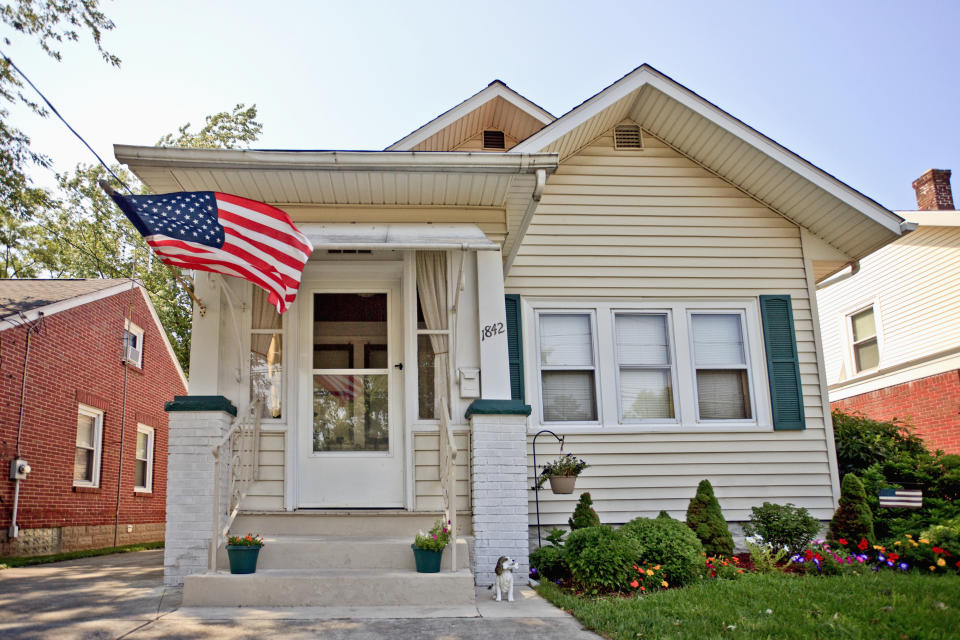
x=933 y=190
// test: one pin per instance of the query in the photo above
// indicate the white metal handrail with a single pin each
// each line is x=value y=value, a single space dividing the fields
x=236 y=460
x=448 y=478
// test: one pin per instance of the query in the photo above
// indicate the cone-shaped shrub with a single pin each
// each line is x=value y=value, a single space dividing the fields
x=706 y=519
x=583 y=515
x=853 y=519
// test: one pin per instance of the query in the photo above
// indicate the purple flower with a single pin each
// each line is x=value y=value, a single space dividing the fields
x=880 y=557
x=903 y=566
x=889 y=563
x=533 y=569
x=558 y=582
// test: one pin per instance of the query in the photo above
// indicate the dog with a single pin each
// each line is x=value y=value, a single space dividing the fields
x=504 y=581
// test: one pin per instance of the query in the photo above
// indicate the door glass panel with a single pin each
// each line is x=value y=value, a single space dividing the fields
x=350 y=413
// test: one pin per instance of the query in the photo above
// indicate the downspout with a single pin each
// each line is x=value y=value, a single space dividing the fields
x=14 y=530
x=527 y=218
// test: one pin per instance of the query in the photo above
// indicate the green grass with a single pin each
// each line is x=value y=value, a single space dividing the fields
x=874 y=606
x=7 y=562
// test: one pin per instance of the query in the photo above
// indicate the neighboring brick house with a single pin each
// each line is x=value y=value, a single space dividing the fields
x=891 y=331
x=66 y=420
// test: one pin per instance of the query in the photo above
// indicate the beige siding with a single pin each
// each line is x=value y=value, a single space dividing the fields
x=268 y=492
x=427 y=471
x=915 y=285
x=651 y=223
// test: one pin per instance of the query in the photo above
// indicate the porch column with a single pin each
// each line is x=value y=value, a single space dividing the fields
x=205 y=343
x=196 y=425
x=494 y=363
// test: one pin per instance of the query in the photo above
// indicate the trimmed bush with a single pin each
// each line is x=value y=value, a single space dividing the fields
x=853 y=519
x=583 y=514
x=601 y=560
x=782 y=526
x=669 y=543
x=663 y=515
x=550 y=563
x=706 y=520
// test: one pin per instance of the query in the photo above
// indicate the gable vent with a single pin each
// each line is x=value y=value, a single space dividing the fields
x=627 y=136
x=494 y=140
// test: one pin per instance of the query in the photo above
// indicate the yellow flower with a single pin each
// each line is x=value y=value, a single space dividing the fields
x=914 y=543
x=897 y=543
x=941 y=562
x=656 y=568
x=932 y=568
x=664 y=584
x=924 y=541
x=909 y=536
x=649 y=572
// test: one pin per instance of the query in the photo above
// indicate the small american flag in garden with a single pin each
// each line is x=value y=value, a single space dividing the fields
x=223 y=233
x=903 y=498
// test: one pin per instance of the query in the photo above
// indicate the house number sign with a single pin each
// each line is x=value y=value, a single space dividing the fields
x=491 y=330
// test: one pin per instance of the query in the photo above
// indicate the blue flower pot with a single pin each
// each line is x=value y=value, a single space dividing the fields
x=242 y=559
x=428 y=561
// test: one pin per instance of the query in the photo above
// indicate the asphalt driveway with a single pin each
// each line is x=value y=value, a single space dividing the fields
x=122 y=596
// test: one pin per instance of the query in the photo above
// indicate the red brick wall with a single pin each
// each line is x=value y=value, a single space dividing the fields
x=76 y=358
x=931 y=405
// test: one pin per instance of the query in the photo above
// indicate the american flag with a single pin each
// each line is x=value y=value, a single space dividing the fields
x=219 y=232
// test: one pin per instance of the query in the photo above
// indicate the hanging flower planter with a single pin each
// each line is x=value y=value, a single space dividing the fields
x=562 y=473
x=562 y=484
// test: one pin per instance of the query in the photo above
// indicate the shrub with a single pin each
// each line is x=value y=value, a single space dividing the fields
x=706 y=520
x=600 y=559
x=663 y=515
x=549 y=563
x=583 y=514
x=669 y=543
x=853 y=519
x=946 y=535
x=782 y=526
x=764 y=557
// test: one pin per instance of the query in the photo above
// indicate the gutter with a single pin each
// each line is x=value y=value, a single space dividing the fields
x=905 y=228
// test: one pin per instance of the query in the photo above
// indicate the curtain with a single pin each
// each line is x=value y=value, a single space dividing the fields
x=432 y=291
x=266 y=354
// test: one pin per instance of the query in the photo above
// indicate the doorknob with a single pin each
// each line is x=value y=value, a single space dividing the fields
x=399 y=365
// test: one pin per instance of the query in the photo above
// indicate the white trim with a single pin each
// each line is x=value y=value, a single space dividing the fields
x=671 y=362
x=134 y=330
x=932 y=218
x=403 y=235
x=591 y=314
x=846 y=331
x=97 y=415
x=901 y=373
x=751 y=375
x=647 y=75
x=150 y=433
x=493 y=90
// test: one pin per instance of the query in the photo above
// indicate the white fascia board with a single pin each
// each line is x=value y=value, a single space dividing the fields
x=474 y=102
x=932 y=218
x=397 y=161
x=902 y=373
x=635 y=80
x=163 y=335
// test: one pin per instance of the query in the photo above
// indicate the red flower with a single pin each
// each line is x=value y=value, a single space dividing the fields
x=893 y=556
x=958 y=564
x=634 y=584
x=842 y=541
x=937 y=550
x=818 y=557
x=808 y=555
x=863 y=544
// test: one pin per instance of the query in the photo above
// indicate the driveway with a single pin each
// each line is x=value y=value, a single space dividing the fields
x=122 y=596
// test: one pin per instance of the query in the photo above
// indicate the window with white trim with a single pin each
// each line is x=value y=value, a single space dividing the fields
x=658 y=365
x=266 y=355
x=568 y=372
x=86 y=460
x=143 y=465
x=863 y=340
x=133 y=344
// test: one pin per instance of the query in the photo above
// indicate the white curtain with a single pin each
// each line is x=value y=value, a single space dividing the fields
x=432 y=291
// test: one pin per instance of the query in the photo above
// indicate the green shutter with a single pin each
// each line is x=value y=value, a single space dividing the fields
x=514 y=346
x=783 y=365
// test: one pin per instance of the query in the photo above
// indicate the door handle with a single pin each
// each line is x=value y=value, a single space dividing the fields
x=399 y=365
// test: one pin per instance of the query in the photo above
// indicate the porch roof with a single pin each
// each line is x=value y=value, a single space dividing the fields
x=405 y=235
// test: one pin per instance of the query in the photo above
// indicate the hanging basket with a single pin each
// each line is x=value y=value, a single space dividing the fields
x=562 y=484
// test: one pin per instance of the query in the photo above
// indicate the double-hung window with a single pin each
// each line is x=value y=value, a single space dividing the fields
x=720 y=361
x=143 y=465
x=863 y=334
x=644 y=367
x=568 y=371
x=86 y=460
x=133 y=344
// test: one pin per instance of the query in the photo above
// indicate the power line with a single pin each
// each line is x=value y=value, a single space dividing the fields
x=64 y=121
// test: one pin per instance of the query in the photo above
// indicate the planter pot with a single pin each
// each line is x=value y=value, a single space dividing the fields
x=562 y=484
x=243 y=559
x=428 y=561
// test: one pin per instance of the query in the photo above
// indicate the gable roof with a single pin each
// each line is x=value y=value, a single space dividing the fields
x=24 y=300
x=760 y=167
x=497 y=105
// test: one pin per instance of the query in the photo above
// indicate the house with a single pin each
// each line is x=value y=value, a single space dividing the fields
x=637 y=276
x=81 y=413
x=891 y=328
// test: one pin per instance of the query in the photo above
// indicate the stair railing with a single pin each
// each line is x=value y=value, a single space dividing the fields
x=236 y=460
x=448 y=478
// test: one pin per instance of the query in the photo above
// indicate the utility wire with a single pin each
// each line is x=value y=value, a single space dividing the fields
x=64 y=121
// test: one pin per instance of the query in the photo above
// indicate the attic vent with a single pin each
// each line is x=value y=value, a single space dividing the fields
x=627 y=136
x=494 y=140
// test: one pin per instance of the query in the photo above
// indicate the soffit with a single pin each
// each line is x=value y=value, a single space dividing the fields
x=495 y=114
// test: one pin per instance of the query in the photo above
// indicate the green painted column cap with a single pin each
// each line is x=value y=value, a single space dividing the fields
x=200 y=403
x=498 y=407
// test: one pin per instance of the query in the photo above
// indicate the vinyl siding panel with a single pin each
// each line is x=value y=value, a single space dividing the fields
x=650 y=223
x=267 y=493
x=426 y=472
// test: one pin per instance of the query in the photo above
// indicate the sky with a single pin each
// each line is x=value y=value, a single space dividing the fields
x=867 y=91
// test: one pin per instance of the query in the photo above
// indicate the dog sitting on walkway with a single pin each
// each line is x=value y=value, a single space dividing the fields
x=504 y=582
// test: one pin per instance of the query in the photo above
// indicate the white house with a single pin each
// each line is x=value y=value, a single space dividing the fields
x=891 y=326
x=637 y=276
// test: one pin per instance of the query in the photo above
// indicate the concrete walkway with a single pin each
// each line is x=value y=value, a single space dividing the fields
x=121 y=596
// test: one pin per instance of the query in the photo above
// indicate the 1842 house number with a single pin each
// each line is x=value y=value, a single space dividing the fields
x=491 y=330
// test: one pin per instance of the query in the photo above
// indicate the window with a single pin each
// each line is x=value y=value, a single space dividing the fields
x=665 y=366
x=133 y=344
x=567 y=369
x=644 y=366
x=143 y=467
x=266 y=355
x=863 y=333
x=86 y=461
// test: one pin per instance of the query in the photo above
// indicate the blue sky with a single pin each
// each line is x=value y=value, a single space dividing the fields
x=868 y=91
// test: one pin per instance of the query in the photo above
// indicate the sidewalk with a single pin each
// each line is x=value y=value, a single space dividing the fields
x=121 y=596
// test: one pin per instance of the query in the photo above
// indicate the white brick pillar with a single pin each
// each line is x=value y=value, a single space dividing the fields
x=196 y=425
x=499 y=486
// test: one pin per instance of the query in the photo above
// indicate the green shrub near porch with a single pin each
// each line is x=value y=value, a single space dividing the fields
x=706 y=520
x=669 y=543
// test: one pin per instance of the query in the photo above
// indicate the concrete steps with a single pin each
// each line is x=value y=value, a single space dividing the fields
x=390 y=522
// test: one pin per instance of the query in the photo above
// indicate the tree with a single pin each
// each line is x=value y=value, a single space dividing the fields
x=706 y=519
x=583 y=514
x=853 y=519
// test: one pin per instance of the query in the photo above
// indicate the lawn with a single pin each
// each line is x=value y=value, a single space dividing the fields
x=874 y=606
x=26 y=561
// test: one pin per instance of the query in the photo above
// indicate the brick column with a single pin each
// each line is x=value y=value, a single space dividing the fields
x=499 y=486
x=196 y=425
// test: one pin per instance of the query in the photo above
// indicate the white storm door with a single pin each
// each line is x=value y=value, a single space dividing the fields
x=350 y=449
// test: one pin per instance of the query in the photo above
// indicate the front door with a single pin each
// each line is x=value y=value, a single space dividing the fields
x=350 y=449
